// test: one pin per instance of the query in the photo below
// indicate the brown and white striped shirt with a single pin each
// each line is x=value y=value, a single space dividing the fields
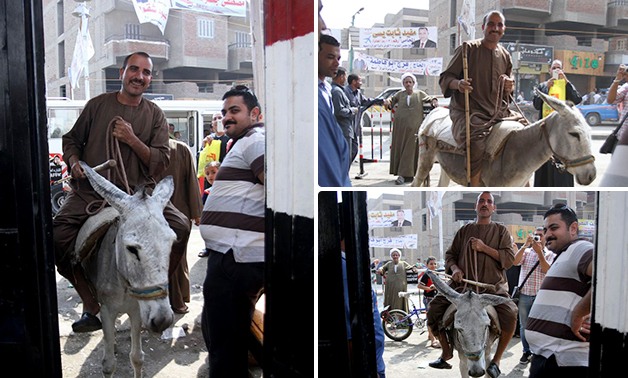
x=233 y=215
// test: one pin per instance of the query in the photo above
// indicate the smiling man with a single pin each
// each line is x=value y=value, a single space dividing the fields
x=232 y=226
x=139 y=127
x=490 y=65
x=558 y=326
x=481 y=251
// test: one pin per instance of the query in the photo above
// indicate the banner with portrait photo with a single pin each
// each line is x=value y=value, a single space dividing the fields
x=384 y=38
x=390 y=218
x=409 y=241
x=422 y=67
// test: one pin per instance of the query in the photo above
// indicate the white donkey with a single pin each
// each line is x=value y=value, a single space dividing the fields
x=475 y=326
x=513 y=155
x=130 y=269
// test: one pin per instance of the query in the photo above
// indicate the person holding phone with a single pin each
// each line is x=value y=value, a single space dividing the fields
x=548 y=174
x=533 y=251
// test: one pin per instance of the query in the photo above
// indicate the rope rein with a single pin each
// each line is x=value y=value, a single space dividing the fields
x=112 y=147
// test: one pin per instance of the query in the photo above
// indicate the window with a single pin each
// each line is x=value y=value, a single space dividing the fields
x=61 y=55
x=452 y=44
x=60 y=26
x=621 y=45
x=132 y=31
x=204 y=87
x=62 y=91
x=205 y=28
x=453 y=13
x=243 y=39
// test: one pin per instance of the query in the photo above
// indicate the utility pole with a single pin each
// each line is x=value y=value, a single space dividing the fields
x=350 y=42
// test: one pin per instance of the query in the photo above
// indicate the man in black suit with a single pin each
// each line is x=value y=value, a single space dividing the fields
x=401 y=221
x=423 y=41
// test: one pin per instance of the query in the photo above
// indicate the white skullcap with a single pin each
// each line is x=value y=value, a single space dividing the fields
x=395 y=250
x=408 y=74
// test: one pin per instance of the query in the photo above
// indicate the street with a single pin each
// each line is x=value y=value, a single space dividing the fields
x=410 y=358
x=376 y=173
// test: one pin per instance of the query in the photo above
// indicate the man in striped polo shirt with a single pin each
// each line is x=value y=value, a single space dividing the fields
x=558 y=326
x=232 y=226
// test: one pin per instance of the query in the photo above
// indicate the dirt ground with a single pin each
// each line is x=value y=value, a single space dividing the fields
x=184 y=355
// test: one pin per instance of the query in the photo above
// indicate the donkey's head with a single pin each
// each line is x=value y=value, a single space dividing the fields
x=569 y=136
x=471 y=324
x=143 y=246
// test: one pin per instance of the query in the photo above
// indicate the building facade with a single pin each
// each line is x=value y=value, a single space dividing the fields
x=199 y=56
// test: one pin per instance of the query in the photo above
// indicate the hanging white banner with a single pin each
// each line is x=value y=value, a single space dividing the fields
x=153 y=11
x=236 y=8
x=427 y=67
x=404 y=241
x=379 y=38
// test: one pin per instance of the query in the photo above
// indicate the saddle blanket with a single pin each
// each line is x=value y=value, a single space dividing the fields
x=437 y=125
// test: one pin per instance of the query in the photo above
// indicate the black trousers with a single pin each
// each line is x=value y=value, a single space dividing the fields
x=542 y=367
x=230 y=292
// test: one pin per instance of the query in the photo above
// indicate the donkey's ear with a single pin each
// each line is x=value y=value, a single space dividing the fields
x=163 y=191
x=443 y=288
x=493 y=300
x=111 y=193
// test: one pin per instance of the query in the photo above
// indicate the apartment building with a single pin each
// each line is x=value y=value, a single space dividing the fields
x=199 y=56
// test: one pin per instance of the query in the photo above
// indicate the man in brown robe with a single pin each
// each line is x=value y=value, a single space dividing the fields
x=487 y=62
x=140 y=129
x=187 y=198
x=490 y=244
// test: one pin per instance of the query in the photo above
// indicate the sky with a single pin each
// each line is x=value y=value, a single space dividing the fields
x=337 y=13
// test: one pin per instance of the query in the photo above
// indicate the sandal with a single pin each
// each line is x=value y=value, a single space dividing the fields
x=435 y=344
x=87 y=323
x=182 y=310
x=400 y=180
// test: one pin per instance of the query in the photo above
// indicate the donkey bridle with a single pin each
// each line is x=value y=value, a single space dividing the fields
x=149 y=293
x=565 y=163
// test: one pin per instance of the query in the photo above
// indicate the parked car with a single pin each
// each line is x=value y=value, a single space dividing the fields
x=598 y=113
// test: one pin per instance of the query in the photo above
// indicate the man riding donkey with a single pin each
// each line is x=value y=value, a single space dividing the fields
x=483 y=67
x=481 y=251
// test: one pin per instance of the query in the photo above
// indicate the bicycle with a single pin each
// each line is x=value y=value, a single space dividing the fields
x=398 y=324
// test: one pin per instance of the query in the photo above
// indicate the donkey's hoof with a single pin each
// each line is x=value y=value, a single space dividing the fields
x=493 y=370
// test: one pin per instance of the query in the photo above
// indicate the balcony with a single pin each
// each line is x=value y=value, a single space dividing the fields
x=240 y=58
x=617 y=14
x=527 y=8
x=123 y=45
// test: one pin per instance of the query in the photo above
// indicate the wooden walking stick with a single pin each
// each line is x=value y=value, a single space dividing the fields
x=465 y=70
x=476 y=283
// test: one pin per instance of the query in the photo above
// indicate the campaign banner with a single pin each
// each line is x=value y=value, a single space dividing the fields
x=423 y=67
x=390 y=218
x=403 y=241
x=382 y=38
x=235 y=8
x=152 y=11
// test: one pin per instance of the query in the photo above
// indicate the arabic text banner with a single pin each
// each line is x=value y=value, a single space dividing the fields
x=423 y=67
x=390 y=218
x=379 y=38
x=402 y=242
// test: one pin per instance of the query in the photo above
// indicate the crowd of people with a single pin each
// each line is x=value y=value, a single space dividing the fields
x=229 y=210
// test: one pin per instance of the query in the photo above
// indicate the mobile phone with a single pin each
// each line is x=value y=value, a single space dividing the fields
x=537 y=238
x=219 y=126
x=555 y=74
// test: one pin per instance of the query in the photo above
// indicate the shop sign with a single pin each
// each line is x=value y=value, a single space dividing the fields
x=531 y=53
